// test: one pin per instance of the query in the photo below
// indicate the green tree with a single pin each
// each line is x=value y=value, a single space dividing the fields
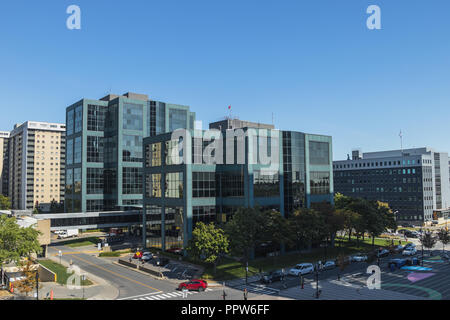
x=246 y=230
x=29 y=283
x=306 y=227
x=16 y=242
x=444 y=238
x=342 y=202
x=427 y=240
x=5 y=203
x=208 y=243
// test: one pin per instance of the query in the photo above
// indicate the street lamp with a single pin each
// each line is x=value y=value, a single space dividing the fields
x=37 y=284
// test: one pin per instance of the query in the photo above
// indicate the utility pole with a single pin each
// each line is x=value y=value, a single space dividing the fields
x=37 y=284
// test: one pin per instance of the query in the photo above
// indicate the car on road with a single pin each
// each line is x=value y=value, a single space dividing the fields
x=409 y=251
x=409 y=246
x=138 y=254
x=195 y=284
x=358 y=258
x=382 y=253
x=301 y=269
x=399 y=248
x=175 y=250
x=273 y=276
x=329 y=265
x=147 y=256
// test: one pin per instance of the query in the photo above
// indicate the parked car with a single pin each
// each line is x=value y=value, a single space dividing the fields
x=147 y=256
x=197 y=285
x=273 y=276
x=412 y=262
x=301 y=269
x=398 y=248
x=138 y=254
x=175 y=250
x=382 y=253
x=358 y=258
x=410 y=251
x=161 y=261
x=398 y=263
x=329 y=265
x=409 y=245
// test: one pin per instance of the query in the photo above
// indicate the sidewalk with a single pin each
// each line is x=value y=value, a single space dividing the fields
x=100 y=290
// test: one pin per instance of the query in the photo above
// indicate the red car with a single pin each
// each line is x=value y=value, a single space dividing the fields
x=175 y=250
x=138 y=255
x=198 y=285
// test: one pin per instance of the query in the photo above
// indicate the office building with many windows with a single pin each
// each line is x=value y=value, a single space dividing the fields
x=36 y=159
x=415 y=182
x=213 y=185
x=104 y=148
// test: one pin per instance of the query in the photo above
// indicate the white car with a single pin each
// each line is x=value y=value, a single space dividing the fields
x=301 y=269
x=329 y=265
x=409 y=252
x=359 y=258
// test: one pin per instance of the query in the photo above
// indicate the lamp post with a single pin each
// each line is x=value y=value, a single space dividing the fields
x=317 y=284
x=421 y=240
x=83 y=278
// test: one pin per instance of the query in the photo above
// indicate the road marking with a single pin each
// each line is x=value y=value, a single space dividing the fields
x=117 y=274
x=141 y=295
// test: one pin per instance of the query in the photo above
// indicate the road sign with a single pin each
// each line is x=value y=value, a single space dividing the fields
x=60 y=253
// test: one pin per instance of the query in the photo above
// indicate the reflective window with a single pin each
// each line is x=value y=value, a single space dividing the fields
x=70 y=122
x=95 y=149
x=77 y=150
x=132 y=148
x=174 y=222
x=69 y=152
x=96 y=117
x=172 y=153
x=94 y=184
x=78 y=119
x=153 y=155
x=205 y=214
x=69 y=181
x=174 y=185
x=77 y=181
x=231 y=184
x=203 y=184
x=265 y=184
x=320 y=183
x=153 y=186
x=132 y=116
x=177 y=119
x=319 y=153
x=132 y=180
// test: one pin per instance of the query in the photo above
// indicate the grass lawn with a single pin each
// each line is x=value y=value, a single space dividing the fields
x=75 y=243
x=230 y=269
x=61 y=272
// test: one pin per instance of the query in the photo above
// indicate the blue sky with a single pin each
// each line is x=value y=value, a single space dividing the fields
x=313 y=64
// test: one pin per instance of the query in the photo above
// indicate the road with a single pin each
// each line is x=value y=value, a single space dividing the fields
x=133 y=285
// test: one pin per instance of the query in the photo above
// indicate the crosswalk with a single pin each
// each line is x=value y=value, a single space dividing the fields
x=166 y=295
x=257 y=289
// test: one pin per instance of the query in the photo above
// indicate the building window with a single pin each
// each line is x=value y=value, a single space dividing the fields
x=320 y=183
x=70 y=122
x=132 y=181
x=231 y=184
x=94 y=183
x=77 y=180
x=69 y=181
x=205 y=214
x=177 y=119
x=94 y=205
x=319 y=153
x=172 y=153
x=266 y=185
x=153 y=186
x=174 y=185
x=203 y=184
x=96 y=118
x=132 y=148
x=69 y=152
x=78 y=119
x=95 y=149
x=77 y=150
x=153 y=155
x=132 y=116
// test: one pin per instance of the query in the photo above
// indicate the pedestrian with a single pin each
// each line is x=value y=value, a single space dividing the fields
x=224 y=295
x=245 y=294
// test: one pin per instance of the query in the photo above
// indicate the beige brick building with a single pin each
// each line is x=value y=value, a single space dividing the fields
x=36 y=165
x=4 y=163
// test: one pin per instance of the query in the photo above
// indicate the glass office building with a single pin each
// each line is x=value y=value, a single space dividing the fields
x=104 y=161
x=177 y=196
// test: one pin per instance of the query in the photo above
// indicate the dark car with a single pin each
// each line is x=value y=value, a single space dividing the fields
x=273 y=276
x=398 y=263
x=412 y=262
x=175 y=250
x=196 y=284
x=161 y=261
x=382 y=253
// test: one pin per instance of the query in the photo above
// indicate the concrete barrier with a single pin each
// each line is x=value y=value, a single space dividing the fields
x=128 y=264
x=150 y=271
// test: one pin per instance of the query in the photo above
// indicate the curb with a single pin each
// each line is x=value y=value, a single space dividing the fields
x=137 y=270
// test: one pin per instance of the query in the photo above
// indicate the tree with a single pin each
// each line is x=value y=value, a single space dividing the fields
x=341 y=201
x=5 y=203
x=208 y=243
x=306 y=227
x=444 y=238
x=29 y=283
x=245 y=231
x=16 y=242
x=427 y=240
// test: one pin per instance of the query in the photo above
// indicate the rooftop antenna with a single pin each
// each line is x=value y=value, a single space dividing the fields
x=401 y=141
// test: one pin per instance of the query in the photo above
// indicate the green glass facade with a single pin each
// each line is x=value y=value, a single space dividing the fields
x=105 y=148
x=197 y=191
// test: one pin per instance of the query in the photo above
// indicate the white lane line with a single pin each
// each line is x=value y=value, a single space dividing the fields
x=165 y=296
x=148 y=298
x=172 y=294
